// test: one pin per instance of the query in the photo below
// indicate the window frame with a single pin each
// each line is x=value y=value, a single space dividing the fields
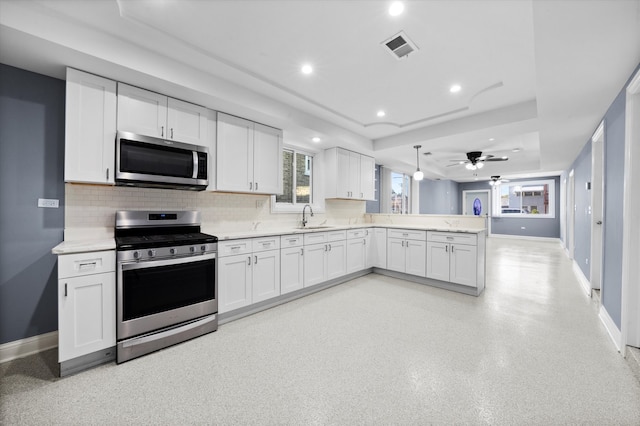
x=317 y=203
x=407 y=180
x=497 y=199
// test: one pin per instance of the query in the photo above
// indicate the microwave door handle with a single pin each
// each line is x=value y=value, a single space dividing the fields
x=195 y=164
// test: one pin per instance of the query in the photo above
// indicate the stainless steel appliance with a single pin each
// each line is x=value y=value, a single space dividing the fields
x=166 y=281
x=160 y=163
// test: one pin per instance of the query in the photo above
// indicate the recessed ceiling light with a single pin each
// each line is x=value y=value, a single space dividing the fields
x=381 y=113
x=306 y=69
x=455 y=88
x=516 y=149
x=491 y=139
x=396 y=8
x=315 y=139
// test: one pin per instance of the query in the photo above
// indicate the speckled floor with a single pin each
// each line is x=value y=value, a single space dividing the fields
x=376 y=350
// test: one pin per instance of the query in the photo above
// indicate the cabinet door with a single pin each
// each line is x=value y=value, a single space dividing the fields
x=234 y=282
x=343 y=181
x=354 y=175
x=267 y=160
x=396 y=254
x=234 y=154
x=438 y=261
x=368 y=254
x=314 y=264
x=378 y=248
x=141 y=111
x=337 y=259
x=416 y=257
x=90 y=128
x=187 y=122
x=266 y=275
x=86 y=314
x=463 y=265
x=367 y=177
x=291 y=269
x=356 y=255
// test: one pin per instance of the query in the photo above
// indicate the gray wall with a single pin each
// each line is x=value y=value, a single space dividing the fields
x=534 y=227
x=582 y=236
x=31 y=167
x=440 y=197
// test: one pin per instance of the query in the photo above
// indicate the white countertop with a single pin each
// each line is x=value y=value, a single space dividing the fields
x=82 y=246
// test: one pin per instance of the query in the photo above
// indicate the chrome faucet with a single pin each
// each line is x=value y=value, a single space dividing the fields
x=304 y=220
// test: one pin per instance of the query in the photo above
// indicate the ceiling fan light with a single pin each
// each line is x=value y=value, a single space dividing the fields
x=418 y=175
x=480 y=165
x=470 y=166
x=491 y=183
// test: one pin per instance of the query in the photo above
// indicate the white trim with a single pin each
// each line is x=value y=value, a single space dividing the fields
x=582 y=279
x=488 y=214
x=596 y=254
x=630 y=291
x=612 y=329
x=29 y=346
x=527 y=237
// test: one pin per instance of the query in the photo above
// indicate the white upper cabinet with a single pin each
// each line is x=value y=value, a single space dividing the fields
x=249 y=156
x=152 y=114
x=349 y=174
x=90 y=128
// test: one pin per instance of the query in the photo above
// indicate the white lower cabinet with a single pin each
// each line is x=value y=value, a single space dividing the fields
x=357 y=250
x=291 y=263
x=251 y=276
x=86 y=303
x=378 y=248
x=326 y=260
x=406 y=251
x=453 y=257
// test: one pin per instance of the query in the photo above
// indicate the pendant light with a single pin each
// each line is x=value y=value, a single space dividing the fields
x=418 y=175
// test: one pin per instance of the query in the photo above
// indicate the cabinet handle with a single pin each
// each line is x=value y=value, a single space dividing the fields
x=250 y=186
x=249 y=260
x=107 y=173
x=301 y=252
x=65 y=289
x=361 y=195
x=256 y=260
x=451 y=249
x=366 y=232
x=172 y=133
x=329 y=247
x=364 y=241
x=446 y=249
x=256 y=186
x=162 y=131
x=326 y=247
x=403 y=243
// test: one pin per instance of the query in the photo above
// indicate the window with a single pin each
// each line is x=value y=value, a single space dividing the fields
x=297 y=176
x=526 y=199
x=400 y=184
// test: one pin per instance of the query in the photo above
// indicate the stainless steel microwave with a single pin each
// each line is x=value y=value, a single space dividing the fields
x=159 y=163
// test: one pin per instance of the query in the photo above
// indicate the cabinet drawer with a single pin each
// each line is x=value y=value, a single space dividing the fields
x=229 y=248
x=336 y=235
x=291 y=241
x=315 y=238
x=266 y=243
x=407 y=234
x=452 y=237
x=78 y=264
x=358 y=233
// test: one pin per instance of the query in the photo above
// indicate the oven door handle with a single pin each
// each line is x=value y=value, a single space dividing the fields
x=164 y=334
x=127 y=266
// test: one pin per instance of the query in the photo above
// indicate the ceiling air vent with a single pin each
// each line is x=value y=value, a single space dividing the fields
x=399 y=45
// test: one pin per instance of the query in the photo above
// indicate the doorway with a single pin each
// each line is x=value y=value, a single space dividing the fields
x=478 y=203
x=597 y=206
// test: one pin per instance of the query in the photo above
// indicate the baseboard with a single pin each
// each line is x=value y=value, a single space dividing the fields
x=612 y=329
x=526 y=237
x=28 y=346
x=584 y=282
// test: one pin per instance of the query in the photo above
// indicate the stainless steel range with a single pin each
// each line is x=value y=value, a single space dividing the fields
x=166 y=281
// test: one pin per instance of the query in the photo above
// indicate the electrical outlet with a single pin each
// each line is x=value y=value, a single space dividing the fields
x=48 y=203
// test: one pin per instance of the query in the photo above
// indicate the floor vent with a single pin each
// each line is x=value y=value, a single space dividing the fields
x=399 y=45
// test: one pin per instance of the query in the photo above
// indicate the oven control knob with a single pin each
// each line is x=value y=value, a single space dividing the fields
x=172 y=251
x=151 y=253
x=203 y=248
x=136 y=254
x=192 y=249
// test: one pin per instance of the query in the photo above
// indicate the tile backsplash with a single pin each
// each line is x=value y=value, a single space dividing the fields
x=90 y=209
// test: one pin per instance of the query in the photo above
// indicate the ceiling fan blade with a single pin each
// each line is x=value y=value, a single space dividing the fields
x=485 y=157
x=497 y=159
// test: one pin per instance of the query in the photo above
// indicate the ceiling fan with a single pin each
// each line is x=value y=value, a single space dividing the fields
x=496 y=180
x=475 y=160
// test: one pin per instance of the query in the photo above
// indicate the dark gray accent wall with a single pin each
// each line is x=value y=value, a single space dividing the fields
x=31 y=167
x=582 y=236
x=440 y=197
x=534 y=227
